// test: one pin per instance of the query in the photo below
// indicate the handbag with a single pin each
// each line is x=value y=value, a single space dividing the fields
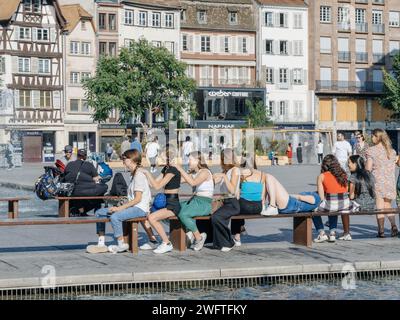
x=66 y=189
x=160 y=202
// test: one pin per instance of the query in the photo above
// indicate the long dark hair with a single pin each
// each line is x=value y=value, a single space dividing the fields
x=361 y=176
x=135 y=156
x=228 y=159
x=202 y=162
x=332 y=165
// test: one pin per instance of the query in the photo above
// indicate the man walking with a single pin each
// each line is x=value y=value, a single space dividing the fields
x=299 y=154
x=152 y=149
x=136 y=145
x=187 y=148
x=342 y=150
x=320 y=151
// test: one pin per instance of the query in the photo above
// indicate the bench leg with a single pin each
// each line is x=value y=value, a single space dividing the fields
x=12 y=209
x=133 y=237
x=63 y=208
x=302 y=231
x=177 y=235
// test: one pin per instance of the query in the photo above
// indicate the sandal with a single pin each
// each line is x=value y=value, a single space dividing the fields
x=381 y=235
x=395 y=231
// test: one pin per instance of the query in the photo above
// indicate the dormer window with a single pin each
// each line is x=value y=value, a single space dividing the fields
x=202 y=16
x=32 y=6
x=233 y=17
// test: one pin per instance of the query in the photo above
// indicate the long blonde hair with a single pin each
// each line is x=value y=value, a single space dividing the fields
x=382 y=137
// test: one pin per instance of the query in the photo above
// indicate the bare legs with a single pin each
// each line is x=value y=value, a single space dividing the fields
x=147 y=227
x=384 y=203
x=154 y=220
x=278 y=196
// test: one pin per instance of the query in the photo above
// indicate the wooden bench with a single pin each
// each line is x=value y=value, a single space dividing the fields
x=302 y=225
x=13 y=206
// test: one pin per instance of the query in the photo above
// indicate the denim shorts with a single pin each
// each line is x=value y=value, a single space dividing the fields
x=295 y=206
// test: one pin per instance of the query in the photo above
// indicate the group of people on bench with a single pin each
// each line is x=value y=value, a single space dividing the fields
x=245 y=190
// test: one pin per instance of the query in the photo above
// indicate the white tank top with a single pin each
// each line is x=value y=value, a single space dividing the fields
x=224 y=188
x=206 y=188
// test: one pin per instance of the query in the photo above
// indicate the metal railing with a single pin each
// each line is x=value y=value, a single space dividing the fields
x=361 y=27
x=361 y=57
x=343 y=26
x=378 y=28
x=349 y=86
x=344 y=56
x=378 y=58
x=378 y=1
x=362 y=1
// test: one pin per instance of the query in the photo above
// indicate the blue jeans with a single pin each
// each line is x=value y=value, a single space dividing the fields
x=295 y=206
x=117 y=218
x=320 y=226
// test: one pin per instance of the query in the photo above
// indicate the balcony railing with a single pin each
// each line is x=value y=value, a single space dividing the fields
x=343 y=26
x=378 y=1
x=361 y=27
x=362 y=57
x=378 y=28
x=283 y=85
x=378 y=58
x=349 y=86
x=344 y=56
x=238 y=81
x=362 y=1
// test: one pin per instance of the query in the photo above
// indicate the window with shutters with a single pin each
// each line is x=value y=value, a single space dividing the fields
x=28 y=5
x=283 y=20
x=170 y=45
x=37 y=6
x=102 y=21
x=297 y=76
x=112 y=48
x=44 y=66
x=85 y=48
x=226 y=44
x=205 y=44
x=74 y=78
x=24 y=65
x=283 y=75
x=269 y=46
x=202 y=16
x=112 y=22
x=394 y=18
x=45 y=99
x=143 y=18
x=24 y=33
x=233 y=18
x=156 y=19
x=169 y=20
x=74 y=47
x=85 y=106
x=298 y=21
x=244 y=45
x=189 y=71
x=271 y=108
x=377 y=17
x=269 y=19
x=269 y=75
x=24 y=98
x=283 y=47
x=360 y=15
x=185 y=42
x=344 y=15
x=298 y=47
x=129 y=17
x=42 y=34
x=325 y=14
x=183 y=15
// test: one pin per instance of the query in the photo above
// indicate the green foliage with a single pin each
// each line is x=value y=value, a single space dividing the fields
x=140 y=78
x=278 y=146
x=391 y=89
x=257 y=117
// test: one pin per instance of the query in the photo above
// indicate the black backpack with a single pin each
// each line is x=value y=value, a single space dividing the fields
x=46 y=185
x=119 y=186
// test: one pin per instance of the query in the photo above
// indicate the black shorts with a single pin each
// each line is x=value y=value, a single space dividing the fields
x=173 y=205
x=250 y=207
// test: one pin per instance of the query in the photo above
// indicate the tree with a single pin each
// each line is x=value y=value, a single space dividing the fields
x=142 y=77
x=391 y=89
x=257 y=117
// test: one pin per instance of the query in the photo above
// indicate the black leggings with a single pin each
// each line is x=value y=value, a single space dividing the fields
x=246 y=207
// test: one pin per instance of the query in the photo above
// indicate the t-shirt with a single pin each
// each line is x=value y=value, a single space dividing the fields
x=320 y=148
x=152 y=149
x=139 y=183
x=342 y=150
x=187 y=148
x=86 y=169
x=175 y=182
x=136 y=145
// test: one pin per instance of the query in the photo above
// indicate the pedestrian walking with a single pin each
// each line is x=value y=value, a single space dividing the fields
x=109 y=151
x=342 y=150
x=320 y=151
x=299 y=154
x=152 y=148
x=289 y=153
x=10 y=155
x=187 y=148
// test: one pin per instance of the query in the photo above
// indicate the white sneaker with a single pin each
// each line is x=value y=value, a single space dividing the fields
x=238 y=243
x=189 y=239
x=270 y=211
x=119 y=248
x=164 y=248
x=198 y=245
x=149 y=246
x=321 y=238
x=346 y=237
x=226 y=249
x=96 y=249
x=332 y=237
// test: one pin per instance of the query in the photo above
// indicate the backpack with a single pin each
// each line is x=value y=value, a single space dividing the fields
x=119 y=186
x=46 y=186
x=105 y=172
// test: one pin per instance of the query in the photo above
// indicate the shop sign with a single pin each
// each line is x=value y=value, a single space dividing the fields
x=221 y=93
x=219 y=124
x=113 y=132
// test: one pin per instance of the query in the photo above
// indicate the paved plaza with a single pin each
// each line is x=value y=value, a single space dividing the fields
x=267 y=249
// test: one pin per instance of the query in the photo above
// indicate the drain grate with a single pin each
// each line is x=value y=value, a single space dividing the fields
x=152 y=288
